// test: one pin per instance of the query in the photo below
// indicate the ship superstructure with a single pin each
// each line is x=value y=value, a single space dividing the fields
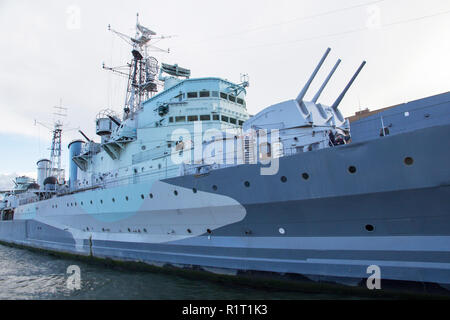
x=185 y=176
x=140 y=142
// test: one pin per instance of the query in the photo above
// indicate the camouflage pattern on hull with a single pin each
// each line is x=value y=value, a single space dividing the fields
x=383 y=202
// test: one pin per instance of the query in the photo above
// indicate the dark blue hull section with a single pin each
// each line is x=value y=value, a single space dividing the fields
x=392 y=210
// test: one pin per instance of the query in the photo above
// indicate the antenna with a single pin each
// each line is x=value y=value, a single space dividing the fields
x=342 y=95
x=245 y=79
x=60 y=110
x=302 y=93
x=55 y=149
x=316 y=97
x=142 y=70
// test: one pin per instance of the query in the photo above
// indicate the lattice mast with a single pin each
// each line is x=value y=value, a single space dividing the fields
x=142 y=69
x=55 y=150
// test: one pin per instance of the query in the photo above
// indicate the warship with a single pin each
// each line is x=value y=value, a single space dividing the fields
x=186 y=177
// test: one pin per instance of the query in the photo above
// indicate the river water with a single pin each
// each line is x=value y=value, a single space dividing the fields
x=25 y=274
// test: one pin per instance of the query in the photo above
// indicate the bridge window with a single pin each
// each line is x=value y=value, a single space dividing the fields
x=180 y=119
x=241 y=122
x=224 y=119
x=192 y=118
x=205 y=117
x=204 y=94
x=171 y=119
x=233 y=120
x=240 y=101
x=224 y=96
x=232 y=98
x=215 y=117
x=214 y=93
x=192 y=95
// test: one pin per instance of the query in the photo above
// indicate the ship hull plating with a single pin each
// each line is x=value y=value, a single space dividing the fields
x=327 y=213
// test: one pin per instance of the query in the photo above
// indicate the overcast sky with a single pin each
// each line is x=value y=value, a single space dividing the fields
x=52 y=50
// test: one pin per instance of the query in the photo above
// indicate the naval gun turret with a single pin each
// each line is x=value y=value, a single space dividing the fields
x=305 y=125
x=106 y=122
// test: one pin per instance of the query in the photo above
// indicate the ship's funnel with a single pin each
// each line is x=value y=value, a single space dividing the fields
x=74 y=150
x=43 y=171
x=316 y=97
x=302 y=93
x=339 y=99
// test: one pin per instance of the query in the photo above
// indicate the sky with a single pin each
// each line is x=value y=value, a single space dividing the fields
x=52 y=53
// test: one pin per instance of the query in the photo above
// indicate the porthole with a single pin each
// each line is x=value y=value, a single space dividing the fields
x=151 y=195
x=194 y=190
x=113 y=200
x=145 y=230
x=408 y=161
x=189 y=230
x=281 y=231
x=91 y=201
x=283 y=179
x=247 y=184
x=142 y=196
x=101 y=201
x=126 y=198
x=305 y=176
x=129 y=230
x=352 y=169
x=81 y=202
x=175 y=192
x=214 y=187
x=369 y=227
x=209 y=231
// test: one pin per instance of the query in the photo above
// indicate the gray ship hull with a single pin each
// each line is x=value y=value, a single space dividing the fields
x=391 y=209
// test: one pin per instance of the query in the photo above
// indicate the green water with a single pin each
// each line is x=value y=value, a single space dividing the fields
x=25 y=274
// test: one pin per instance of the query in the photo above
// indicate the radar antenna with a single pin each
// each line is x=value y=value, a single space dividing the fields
x=143 y=69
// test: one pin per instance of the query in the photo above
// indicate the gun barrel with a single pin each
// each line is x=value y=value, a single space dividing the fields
x=342 y=95
x=85 y=136
x=316 y=97
x=114 y=120
x=302 y=93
